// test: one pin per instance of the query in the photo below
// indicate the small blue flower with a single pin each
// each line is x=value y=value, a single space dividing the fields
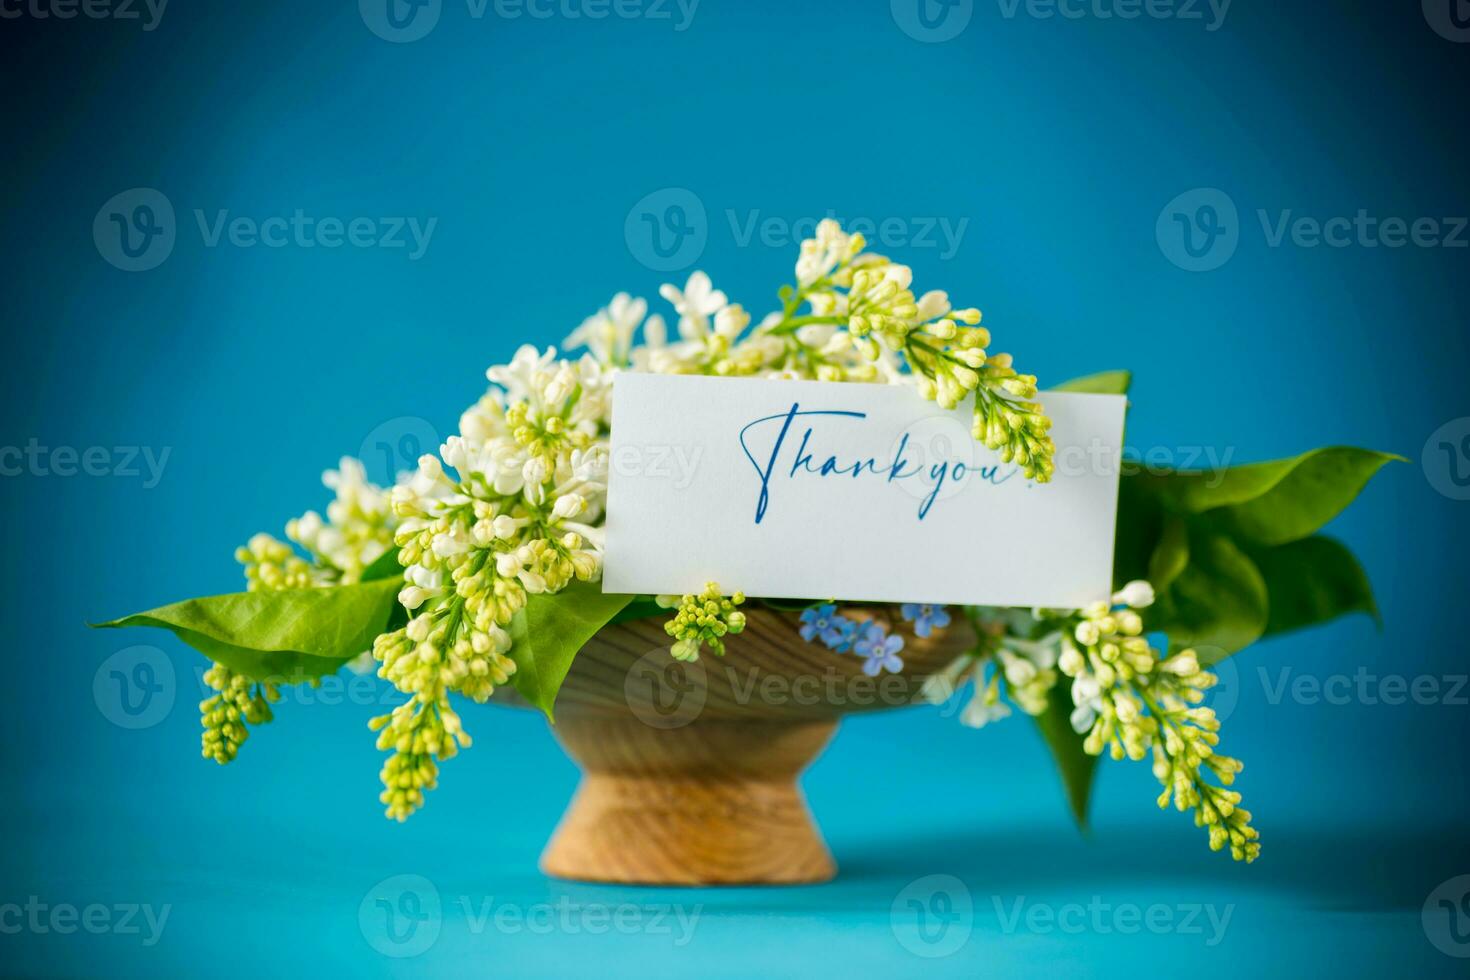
x=880 y=650
x=926 y=617
x=849 y=633
x=822 y=622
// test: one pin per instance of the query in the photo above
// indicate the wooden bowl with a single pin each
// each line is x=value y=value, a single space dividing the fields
x=689 y=770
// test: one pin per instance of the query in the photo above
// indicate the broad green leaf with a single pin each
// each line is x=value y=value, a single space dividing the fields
x=385 y=567
x=1105 y=383
x=640 y=607
x=1139 y=527
x=293 y=633
x=1171 y=557
x=1273 y=502
x=1076 y=766
x=1219 y=599
x=549 y=631
x=1199 y=536
x=1313 y=581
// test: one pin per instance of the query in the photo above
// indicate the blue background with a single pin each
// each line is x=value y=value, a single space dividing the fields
x=530 y=140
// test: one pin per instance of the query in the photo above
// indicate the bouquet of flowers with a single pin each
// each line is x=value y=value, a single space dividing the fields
x=479 y=569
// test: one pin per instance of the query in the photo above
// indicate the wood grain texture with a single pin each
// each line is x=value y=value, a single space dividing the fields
x=767 y=672
x=711 y=803
x=690 y=769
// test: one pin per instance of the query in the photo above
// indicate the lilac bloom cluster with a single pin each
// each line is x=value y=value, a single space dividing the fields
x=870 y=640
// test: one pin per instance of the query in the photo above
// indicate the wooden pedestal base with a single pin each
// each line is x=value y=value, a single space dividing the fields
x=689 y=769
x=709 y=803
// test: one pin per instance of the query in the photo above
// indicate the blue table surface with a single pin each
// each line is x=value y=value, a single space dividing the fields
x=955 y=858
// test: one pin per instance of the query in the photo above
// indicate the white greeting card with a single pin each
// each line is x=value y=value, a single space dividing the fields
x=813 y=490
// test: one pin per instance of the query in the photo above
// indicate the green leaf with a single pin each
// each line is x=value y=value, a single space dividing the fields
x=549 y=631
x=1313 y=581
x=1274 y=502
x=385 y=567
x=1105 y=383
x=1076 y=766
x=1215 y=545
x=1219 y=600
x=1139 y=528
x=1171 y=557
x=292 y=633
x=640 y=607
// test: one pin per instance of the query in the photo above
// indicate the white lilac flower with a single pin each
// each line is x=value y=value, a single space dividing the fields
x=1133 y=703
x=702 y=619
x=608 y=333
x=227 y=714
x=946 y=682
x=1019 y=669
x=1087 y=702
x=359 y=525
x=271 y=564
x=695 y=304
x=823 y=255
x=1138 y=595
x=985 y=704
x=518 y=512
x=983 y=709
x=1029 y=668
x=879 y=320
x=706 y=348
